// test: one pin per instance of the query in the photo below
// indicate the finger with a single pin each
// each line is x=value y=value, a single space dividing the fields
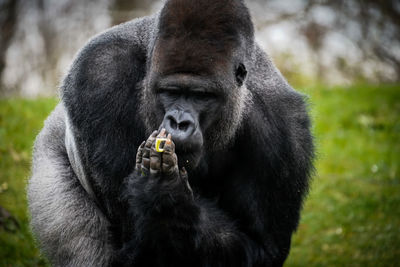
x=144 y=171
x=155 y=157
x=184 y=176
x=162 y=133
x=169 y=164
x=151 y=139
x=155 y=161
x=147 y=146
x=169 y=158
x=145 y=163
x=169 y=147
x=139 y=155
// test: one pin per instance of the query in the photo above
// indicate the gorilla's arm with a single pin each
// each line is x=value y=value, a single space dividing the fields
x=71 y=229
x=198 y=232
x=183 y=229
x=186 y=231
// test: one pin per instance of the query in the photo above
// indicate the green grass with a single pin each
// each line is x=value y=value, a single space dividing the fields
x=350 y=218
x=352 y=215
x=20 y=122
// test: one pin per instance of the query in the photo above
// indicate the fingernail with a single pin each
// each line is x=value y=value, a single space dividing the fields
x=162 y=133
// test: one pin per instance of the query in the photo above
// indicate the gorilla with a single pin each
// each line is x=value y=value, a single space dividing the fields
x=176 y=142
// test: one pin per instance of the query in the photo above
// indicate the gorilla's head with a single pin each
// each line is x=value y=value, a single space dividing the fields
x=195 y=81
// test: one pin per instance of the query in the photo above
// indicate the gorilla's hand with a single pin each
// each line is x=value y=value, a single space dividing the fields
x=158 y=176
x=160 y=202
x=161 y=164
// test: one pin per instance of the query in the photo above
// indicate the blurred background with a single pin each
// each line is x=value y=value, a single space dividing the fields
x=344 y=55
x=334 y=42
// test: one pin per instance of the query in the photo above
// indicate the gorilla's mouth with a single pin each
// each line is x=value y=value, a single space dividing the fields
x=188 y=159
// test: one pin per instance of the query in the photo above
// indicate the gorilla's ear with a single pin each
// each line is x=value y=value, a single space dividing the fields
x=240 y=74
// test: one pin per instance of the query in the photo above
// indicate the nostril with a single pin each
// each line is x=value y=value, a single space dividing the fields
x=172 y=122
x=184 y=125
x=179 y=123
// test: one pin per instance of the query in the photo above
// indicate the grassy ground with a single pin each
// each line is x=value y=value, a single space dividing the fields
x=20 y=122
x=351 y=217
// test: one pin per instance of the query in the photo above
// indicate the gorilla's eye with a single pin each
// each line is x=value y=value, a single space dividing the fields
x=198 y=94
x=202 y=95
x=170 y=91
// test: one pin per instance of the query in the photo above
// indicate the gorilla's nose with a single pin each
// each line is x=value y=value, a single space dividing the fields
x=179 y=124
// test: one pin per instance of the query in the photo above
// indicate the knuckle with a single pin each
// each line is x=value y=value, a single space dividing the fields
x=166 y=166
x=150 y=141
x=146 y=163
x=155 y=166
x=169 y=159
x=168 y=169
x=167 y=152
x=146 y=152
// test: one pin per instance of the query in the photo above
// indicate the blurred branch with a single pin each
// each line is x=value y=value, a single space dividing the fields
x=8 y=21
x=384 y=54
x=125 y=10
x=372 y=26
x=288 y=16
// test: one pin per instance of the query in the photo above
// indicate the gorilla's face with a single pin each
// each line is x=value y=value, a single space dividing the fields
x=189 y=104
x=201 y=106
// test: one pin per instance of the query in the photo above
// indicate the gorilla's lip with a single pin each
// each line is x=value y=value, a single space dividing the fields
x=192 y=153
x=188 y=152
x=188 y=146
x=189 y=160
x=187 y=156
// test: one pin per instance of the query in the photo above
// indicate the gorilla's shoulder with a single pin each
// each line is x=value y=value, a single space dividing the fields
x=115 y=55
x=108 y=69
x=270 y=89
x=136 y=33
x=278 y=111
x=51 y=137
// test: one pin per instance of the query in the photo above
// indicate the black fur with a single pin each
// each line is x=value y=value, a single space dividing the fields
x=252 y=174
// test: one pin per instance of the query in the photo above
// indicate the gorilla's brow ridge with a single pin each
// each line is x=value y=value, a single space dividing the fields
x=188 y=81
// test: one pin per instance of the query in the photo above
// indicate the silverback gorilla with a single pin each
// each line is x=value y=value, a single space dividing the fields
x=227 y=189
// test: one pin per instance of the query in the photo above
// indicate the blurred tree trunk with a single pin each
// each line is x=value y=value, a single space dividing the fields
x=49 y=36
x=8 y=21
